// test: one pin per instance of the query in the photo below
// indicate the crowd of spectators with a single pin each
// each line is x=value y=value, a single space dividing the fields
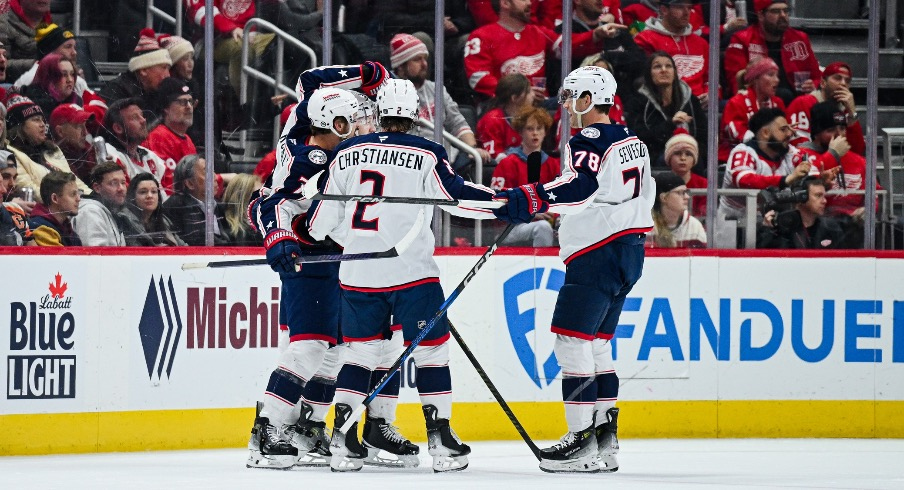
x=131 y=149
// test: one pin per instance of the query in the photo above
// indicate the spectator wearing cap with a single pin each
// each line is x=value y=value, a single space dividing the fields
x=829 y=149
x=409 y=59
x=229 y=19
x=69 y=131
x=170 y=139
x=183 y=55
x=835 y=86
x=126 y=130
x=18 y=28
x=759 y=82
x=673 y=225
x=681 y=155
x=51 y=221
x=671 y=32
x=54 y=84
x=35 y=153
x=148 y=67
x=773 y=37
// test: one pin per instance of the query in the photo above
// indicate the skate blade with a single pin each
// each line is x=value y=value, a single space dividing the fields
x=608 y=463
x=341 y=464
x=582 y=465
x=269 y=462
x=386 y=459
x=443 y=464
x=311 y=460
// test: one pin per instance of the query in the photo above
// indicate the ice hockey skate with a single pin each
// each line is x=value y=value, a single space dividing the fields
x=347 y=454
x=449 y=453
x=267 y=448
x=387 y=447
x=607 y=441
x=311 y=439
x=576 y=452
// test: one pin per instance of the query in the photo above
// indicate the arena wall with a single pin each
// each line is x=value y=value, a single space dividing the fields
x=127 y=352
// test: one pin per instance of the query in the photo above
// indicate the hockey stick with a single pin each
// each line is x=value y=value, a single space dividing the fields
x=395 y=251
x=533 y=172
x=311 y=191
x=486 y=379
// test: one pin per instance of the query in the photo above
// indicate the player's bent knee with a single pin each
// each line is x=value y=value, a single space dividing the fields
x=575 y=356
x=433 y=355
x=332 y=363
x=303 y=357
x=602 y=355
x=392 y=349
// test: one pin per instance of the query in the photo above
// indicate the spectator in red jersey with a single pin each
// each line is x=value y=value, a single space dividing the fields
x=532 y=123
x=664 y=102
x=54 y=84
x=671 y=32
x=494 y=129
x=773 y=37
x=760 y=80
x=229 y=19
x=828 y=149
x=673 y=225
x=127 y=129
x=836 y=80
x=681 y=153
x=170 y=139
x=69 y=131
x=511 y=45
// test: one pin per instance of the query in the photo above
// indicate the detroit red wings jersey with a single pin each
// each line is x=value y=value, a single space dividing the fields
x=493 y=52
x=749 y=169
x=690 y=52
x=605 y=191
x=799 y=116
x=227 y=14
x=171 y=147
x=389 y=164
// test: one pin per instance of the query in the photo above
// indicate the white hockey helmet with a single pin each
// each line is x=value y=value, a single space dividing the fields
x=594 y=79
x=397 y=98
x=367 y=114
x=326 y=104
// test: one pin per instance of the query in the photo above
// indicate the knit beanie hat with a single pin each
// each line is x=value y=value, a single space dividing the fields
x=176 y=45
x=825 y=115
x=51 y=37
x=148 y=52
x=759 y=68
x=404 y=47
x=682 y=140
x=171 y=89
x=19 y=108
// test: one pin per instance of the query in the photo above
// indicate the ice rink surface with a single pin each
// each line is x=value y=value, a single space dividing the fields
x=654 y=464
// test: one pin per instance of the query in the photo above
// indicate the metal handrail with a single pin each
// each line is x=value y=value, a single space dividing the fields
x=478 y=170
x=153 y=11
x=275 y=82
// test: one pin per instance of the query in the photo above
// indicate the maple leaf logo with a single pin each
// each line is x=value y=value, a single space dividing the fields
x=58 y=290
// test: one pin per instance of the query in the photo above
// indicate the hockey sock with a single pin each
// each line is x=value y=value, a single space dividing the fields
x=434 y=384
x=318 y=393
x=579 y=394
x=606 y=395
x=384 y=405
x=281 y=397
x=352 y=385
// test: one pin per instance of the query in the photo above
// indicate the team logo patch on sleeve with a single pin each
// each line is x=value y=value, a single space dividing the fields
x=591 y=132
x=317 y=157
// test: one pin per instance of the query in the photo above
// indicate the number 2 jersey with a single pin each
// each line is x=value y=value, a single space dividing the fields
x=389 y=164
x=605 y=190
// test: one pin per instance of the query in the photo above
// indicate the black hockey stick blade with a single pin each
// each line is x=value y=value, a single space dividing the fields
x=395 y=251
x=492 y=387
x=310 y=191
x=533 y=167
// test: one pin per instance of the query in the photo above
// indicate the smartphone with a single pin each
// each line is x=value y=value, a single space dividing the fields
x=100 y=149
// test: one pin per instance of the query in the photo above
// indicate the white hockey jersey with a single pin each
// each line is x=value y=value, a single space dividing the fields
x=389 y=164
x=605 y=191
x=751 y=169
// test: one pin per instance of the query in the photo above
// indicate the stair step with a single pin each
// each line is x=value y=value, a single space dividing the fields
x=821 y=9
x=883 y=83
x=891 y=60
x=847 y=24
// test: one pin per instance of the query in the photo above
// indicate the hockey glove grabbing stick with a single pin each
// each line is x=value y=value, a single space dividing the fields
x=310 y=191
x=533 y=172
x=486 y=379
x=395 y=251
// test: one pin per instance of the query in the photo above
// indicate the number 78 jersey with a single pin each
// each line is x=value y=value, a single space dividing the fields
x=605 y=190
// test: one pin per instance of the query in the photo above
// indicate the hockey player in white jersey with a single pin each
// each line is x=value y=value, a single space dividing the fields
x=605 y=195
x=393 y=163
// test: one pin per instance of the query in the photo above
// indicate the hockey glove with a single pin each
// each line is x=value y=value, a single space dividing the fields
x=372 y=76
x=305 y=240
x=522 y=203
x=282 y=249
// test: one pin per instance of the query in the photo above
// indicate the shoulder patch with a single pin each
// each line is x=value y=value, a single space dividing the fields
x=591 y=132
x=317 y=157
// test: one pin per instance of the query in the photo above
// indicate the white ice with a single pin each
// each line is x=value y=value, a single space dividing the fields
x=659 y=464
